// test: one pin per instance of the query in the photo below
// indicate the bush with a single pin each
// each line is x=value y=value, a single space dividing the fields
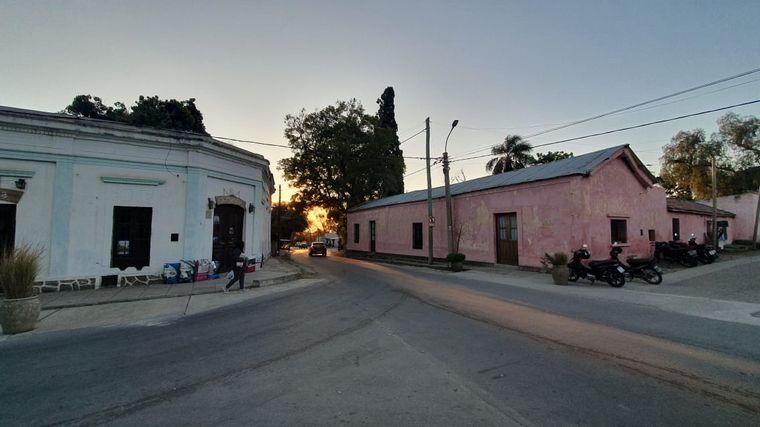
x=455 y=257
x=558 y=259
x=18 y=269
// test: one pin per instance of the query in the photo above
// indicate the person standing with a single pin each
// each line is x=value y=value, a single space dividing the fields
x=238 y=270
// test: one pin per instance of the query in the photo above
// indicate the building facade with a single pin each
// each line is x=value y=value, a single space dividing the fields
x=111 y=203
x=515 y=218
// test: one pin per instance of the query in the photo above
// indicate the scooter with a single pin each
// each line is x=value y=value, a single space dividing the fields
x=676 y=252
x=642 y=268
x=609 y=270
x=706 y=254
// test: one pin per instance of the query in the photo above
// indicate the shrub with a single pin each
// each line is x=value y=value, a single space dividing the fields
x=18 y=269
x=558 y=259
x=455 y=257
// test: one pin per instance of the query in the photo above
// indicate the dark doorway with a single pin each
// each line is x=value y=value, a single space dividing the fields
x=7 y=227
x=228 y=230
x=676 y=229
x=372 y=236
x=506 y=238
x=130 y=241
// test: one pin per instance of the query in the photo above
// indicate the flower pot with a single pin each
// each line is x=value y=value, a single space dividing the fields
x=456 y=265
x=560 y=275
x=19 y=315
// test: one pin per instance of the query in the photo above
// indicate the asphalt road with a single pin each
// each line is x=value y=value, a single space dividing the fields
x=377 y=346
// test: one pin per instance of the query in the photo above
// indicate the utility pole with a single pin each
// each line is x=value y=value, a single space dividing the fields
x=449 y=219
x=715 y=207
x=279 y=211
x=757 y=218
x=431 y=220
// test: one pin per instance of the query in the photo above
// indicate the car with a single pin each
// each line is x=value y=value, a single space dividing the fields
x=317 y=248
x=302 y=245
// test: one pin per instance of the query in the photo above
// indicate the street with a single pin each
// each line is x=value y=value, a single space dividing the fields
x=386 y=345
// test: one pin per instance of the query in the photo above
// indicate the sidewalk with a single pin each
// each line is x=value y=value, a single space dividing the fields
x=274 y=272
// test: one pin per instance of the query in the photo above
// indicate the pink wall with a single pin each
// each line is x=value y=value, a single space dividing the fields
x=557 y=215
x=745 y=208
x=697 y=225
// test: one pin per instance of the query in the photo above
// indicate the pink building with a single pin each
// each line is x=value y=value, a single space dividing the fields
x=745 y=208
x=514 y=218
x=689 y=218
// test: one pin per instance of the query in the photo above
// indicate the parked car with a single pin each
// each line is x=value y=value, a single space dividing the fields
x=302 y=245
x=317 y=248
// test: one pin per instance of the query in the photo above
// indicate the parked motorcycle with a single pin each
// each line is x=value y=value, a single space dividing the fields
x=676 y=252
x=706 y=254
x=609 y=270
x=642 y=268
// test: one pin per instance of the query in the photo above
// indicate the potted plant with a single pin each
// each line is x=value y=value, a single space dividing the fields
x=20 y=307
x=456 y=261
x=558 y=265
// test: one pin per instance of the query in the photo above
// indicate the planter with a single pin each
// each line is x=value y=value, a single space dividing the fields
x=457 y=266
x=560 y=275
x=19 y=315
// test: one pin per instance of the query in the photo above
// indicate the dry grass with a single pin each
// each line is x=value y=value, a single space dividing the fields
x=18 y=269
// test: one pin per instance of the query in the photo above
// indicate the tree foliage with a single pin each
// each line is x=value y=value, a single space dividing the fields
x=289 y=219
x=551 y=156
x=147 y=111
x=513 y=153
x=342 y=157
x=685 y=171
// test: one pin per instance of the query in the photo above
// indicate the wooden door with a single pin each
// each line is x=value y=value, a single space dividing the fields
x=506 y=238
x=372 y=236
x=676 y=229
x=228 y=230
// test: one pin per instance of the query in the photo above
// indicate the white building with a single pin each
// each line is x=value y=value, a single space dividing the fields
x=111 y=203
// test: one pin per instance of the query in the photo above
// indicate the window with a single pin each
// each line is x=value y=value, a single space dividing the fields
x=651 y=236
x=676 y=229
x=130 y=241
x=356 y=233
x=618 y=228
x=416 y=235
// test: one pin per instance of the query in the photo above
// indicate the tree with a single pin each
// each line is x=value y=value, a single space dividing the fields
x=342 y=157
x=743 y=136
x=394 y=161
x=686 y=161
x=551 y=156
x=147 y=111
x=288 y=219
x=513 y=153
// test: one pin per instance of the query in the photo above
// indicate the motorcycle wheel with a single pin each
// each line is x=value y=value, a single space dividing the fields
x=651 y=276
x=688 y=261
x=706 y=259
x=573 y=277
x=615 y=279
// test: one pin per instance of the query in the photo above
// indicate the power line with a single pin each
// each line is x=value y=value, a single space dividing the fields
x=626 y=128
x=631 y=107
x=248 y=141
x=423 y=130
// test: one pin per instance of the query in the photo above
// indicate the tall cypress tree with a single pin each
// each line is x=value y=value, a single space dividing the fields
x=393 y=180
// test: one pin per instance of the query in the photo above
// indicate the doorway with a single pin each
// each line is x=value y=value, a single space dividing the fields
x=372 y=236
x=506 y=238
x=7 y=227
x=676 y=229
x=228 y=230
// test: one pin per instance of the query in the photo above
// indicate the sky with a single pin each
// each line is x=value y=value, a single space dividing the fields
x=499 y=67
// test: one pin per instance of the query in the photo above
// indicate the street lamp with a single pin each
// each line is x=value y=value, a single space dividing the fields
x=449 y=222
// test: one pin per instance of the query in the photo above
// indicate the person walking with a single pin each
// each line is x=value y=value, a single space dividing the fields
x=238 y=270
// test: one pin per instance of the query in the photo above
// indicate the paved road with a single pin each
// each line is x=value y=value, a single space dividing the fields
x=373 y=345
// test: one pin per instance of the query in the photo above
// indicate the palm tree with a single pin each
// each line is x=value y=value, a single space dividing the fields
x=513 y=153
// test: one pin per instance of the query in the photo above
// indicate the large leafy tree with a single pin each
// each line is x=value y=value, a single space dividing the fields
x=288 y=219
x=742 y=134
x=147 y=111
x=342 y=157
x=686 y=162
x=513 y=153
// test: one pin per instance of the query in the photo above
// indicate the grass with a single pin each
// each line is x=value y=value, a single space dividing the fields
x=18 y=269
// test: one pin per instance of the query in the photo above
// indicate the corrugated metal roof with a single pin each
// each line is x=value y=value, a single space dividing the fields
x=687 y=206
x=579 y=165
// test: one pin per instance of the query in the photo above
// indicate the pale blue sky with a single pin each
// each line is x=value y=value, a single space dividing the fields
x=498 y=66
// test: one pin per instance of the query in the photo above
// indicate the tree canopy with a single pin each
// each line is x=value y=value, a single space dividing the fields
x=686 y=160
x=342 y=157
x=551 y=156
x=147 y=111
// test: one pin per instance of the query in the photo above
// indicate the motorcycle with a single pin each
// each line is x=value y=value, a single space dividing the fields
x=706 y=254
x=676 y=252
x=609 y=270
x=642 y=268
